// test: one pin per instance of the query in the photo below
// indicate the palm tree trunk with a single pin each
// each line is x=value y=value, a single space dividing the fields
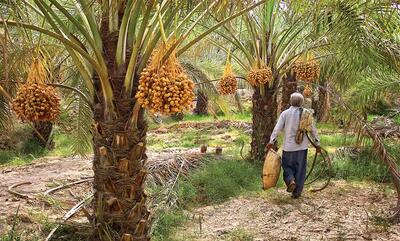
x=323 y=104
x=289 y=87
x=42 y=133
x=264 y=118
x=119 y=176
x=239 y=103
x=201 y=104
x=119 y=157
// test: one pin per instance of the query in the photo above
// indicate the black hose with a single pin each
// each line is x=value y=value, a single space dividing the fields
x=325 y=156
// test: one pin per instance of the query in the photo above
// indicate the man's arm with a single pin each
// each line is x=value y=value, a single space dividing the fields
x=278 y=128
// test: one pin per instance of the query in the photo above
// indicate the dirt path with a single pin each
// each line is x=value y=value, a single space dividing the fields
x=338 y=213
x=43 y=174
x=344 y=211
x=46 y=173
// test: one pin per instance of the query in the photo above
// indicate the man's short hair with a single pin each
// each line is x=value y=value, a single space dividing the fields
x=296 y=99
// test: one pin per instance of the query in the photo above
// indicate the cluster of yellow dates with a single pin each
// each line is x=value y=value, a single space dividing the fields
x=163 y=85
x=36 y=101
x=307 y=71
x=228 y=83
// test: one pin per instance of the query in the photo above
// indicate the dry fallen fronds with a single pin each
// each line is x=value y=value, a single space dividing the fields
x=163 y=170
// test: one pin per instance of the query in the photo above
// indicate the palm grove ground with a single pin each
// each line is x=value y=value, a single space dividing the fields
x=221 y=198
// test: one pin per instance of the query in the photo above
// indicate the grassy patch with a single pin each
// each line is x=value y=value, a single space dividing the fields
x=218 y=181
x=240 y=235
x=214 y=183
x=167 y=223
x=15 y=158
x=365 y=166
x=336 y=140
x=396 y=119
x=62 y=145
x=29 y=149
x=230 y=139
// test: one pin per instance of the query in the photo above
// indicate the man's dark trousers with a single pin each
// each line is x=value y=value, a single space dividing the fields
x=294 y=164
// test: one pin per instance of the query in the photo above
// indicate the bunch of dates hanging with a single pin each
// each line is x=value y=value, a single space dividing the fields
x=35 y=100
x=164 y=87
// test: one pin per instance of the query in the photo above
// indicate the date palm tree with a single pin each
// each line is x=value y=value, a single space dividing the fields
x=283 y=31
x=275 y=35
x=110 y=43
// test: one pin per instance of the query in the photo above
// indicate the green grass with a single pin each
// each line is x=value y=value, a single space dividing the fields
x=167 y=223
x=240 y=235
x=63 y=145
x=336 y=140
x=396 y=119
x=218 y=181
x=364 y=167
x=215 y=182
x=30 y=150
x=326 y=126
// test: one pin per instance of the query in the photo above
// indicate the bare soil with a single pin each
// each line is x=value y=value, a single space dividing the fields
x=42 y=174
x=343 y=211
x=37 y=209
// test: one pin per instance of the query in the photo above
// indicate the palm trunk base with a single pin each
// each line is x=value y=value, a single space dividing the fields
x=119 y=177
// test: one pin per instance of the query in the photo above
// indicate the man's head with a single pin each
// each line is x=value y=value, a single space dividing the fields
x=296 y=99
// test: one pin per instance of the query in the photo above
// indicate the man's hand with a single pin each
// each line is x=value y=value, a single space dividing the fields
x=318 y=149
x=269 y=146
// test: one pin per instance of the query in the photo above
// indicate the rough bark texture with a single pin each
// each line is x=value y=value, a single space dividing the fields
x=239 y=102
x=42 y=133
x=323 y=105
x=289 y=87
x=119 y=156
x=119 y=176
x=264 y=118
x=201 y=104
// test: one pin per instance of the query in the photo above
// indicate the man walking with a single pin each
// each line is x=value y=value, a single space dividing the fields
x=295 y=145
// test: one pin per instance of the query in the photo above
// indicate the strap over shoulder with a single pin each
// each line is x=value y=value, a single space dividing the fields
x=305 y=124
x=306 y=120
